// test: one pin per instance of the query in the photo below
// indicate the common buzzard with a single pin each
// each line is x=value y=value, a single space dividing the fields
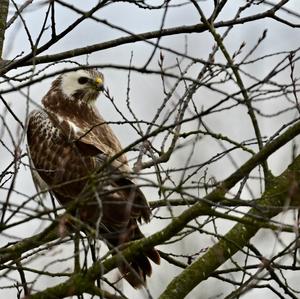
x=76 y=154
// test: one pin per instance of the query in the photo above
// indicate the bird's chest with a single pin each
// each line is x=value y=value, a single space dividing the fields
x=56 y=157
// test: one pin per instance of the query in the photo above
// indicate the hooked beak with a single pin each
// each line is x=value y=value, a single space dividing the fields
x=99 y=84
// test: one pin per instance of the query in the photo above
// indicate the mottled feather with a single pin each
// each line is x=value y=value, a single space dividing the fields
x=70 y=145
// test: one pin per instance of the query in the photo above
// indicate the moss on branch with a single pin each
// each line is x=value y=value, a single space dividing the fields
x=273 y=201
x=282 y=190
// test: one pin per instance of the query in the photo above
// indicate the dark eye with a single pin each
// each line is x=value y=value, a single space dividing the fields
x=83 y=80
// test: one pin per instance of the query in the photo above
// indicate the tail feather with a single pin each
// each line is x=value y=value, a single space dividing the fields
x=153 y=255
x=120 y=225
x=135 y=272
x=143 y=263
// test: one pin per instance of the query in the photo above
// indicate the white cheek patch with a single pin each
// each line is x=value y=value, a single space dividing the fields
x=69 y=82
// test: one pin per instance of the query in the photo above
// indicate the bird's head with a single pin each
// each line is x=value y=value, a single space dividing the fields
x=82 y=85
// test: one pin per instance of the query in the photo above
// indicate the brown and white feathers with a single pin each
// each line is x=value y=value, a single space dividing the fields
x=72 y=150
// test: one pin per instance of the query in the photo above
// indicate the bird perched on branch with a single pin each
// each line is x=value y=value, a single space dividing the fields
x=76 y=154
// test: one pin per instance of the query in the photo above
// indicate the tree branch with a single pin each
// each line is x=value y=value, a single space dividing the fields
x=274 y=200
x=78 y=283
x=3 y=16
x=197 y=28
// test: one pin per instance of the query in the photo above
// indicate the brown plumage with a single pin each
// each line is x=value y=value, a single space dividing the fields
x=70 y=145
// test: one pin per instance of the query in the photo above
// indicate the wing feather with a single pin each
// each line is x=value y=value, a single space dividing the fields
x=60 y=155
x=71 y=148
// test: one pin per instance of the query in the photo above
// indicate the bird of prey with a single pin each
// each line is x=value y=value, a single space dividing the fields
x=76 y=154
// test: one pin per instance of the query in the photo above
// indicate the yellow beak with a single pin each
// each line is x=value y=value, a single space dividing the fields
x=99 y=83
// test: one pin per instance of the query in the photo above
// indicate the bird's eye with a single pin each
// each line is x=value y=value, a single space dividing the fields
x=83 y=80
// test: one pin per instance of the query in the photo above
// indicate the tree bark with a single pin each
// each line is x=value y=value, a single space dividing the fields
x=3 y=16
x=282 y=192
